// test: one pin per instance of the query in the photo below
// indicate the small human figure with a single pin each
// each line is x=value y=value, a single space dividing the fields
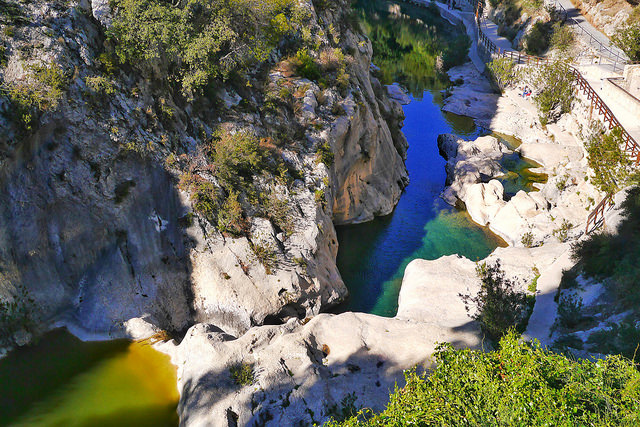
x=528 y=94
x=524 y=91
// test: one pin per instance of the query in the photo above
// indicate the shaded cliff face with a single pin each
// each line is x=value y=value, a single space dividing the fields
x=370 y=152
x=96 y=223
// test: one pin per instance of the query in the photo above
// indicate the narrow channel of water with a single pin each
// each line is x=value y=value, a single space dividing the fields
x=62 y=381
x=372 y=256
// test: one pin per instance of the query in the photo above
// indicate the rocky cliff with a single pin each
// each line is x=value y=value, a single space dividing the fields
x=115 y=204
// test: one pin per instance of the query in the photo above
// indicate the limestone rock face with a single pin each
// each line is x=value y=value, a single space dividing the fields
x=369 y=163
x=102 y=11
x=469 y=162
x=95 y=224
x=302 y=373
x=483 y=201
x=398 y=94
x=474 y=97
x=431 y=291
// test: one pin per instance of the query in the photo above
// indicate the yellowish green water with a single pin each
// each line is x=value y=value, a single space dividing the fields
x=62 y=381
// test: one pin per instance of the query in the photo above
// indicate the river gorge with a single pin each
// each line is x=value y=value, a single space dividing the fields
x=273 y=315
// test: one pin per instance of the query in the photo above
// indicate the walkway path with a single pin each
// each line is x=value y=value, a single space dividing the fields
x=592 y=33
x=490 y=29
x=595 y=75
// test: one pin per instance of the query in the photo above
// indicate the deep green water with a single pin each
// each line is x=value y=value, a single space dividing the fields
x=372 y=256
x=62 y=381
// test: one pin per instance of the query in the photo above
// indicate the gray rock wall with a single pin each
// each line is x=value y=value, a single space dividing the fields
x=93 y=223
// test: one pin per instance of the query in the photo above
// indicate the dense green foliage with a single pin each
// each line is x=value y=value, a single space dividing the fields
x=197 y=41
x=562 y=37
x=538 y=39
x=239 y=161
x=499 y=306
x=412 y=51
x=553 y=84
x=607 y=159
x=503 y=71
x=520 y=384
x=614 y=257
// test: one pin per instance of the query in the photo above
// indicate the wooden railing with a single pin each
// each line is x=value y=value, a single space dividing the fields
x=631 y=147
x=596 y=217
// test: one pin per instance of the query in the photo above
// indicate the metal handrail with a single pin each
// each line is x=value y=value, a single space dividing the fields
x=613 y=55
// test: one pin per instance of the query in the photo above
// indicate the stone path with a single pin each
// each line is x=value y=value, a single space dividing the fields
x=490 y=29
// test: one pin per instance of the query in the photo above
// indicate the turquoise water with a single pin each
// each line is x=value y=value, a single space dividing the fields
x=518 y=175
x=372 y=256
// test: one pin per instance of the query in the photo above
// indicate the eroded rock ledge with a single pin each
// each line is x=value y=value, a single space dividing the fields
x=304 y=370
x=94 y=225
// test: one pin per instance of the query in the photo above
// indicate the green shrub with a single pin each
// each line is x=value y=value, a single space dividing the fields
x=265 y=255
x=499 y=305
x=570 y=310
x=569 y=279
x=561 y=183
x=100 y=85
x=527 y=240
x=520 y=384
x=108 y=62
x=199 y=41
x=325 y=154
x=230 y=218
x=306 y=65
x=537 y=40
x=203 y=194
x=562 y=232
x=533 y=286
x=235 y=158
x=562 y=37
x=3 y=55
x=504 y=72
x=553 y=83
x=627 y=38
x=277 y=210
x=30 y=100
x=320 y=198
x=345 y=410
x=242 y=374
x=607 y=159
